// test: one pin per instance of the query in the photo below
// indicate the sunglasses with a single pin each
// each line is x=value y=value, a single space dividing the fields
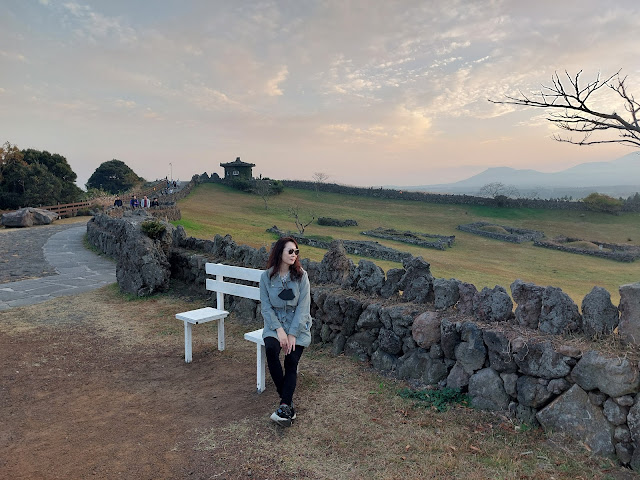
x=294 y=250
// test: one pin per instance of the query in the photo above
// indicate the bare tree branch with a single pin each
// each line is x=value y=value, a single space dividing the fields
x=294 y=212
x=571 y=108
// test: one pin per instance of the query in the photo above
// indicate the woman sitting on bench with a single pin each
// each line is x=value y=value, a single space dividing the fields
x=285 y=299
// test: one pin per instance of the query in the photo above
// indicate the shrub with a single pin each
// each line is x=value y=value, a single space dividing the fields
x=153 y=229
x=598 y=202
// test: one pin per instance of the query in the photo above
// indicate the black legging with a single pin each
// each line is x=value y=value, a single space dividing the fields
x=285 y=381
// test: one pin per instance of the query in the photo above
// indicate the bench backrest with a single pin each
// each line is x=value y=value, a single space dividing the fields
x=221 y=287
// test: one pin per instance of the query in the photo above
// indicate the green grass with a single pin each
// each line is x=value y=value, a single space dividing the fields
x=215 y=209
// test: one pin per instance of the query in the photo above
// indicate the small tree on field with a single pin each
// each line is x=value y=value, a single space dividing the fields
x=319 y=178
x=294 y=212
x=262 y=188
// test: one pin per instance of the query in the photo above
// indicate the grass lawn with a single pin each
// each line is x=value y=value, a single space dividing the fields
x=216 y=209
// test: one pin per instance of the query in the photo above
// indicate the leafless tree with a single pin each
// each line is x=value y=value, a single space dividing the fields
x=495 y=189
x=262 y=188
x=294 y=212
x=571 y=104
x=319 y=178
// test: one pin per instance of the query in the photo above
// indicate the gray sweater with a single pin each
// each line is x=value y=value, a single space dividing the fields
x=292 y=315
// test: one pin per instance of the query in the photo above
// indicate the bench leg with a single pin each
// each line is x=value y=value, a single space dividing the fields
x=221 y=334
x=187 y=342
x=261 y=362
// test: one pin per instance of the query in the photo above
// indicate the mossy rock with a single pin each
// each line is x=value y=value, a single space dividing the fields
x=494 y=229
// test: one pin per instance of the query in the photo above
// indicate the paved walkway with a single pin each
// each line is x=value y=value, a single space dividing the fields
x=78 y=270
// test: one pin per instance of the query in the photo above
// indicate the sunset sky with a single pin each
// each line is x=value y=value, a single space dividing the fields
x=369 y=92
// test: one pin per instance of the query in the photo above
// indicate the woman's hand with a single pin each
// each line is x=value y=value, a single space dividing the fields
x=292 y=343
x=283 y=339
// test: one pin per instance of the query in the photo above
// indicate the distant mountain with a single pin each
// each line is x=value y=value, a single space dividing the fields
x=619 y=177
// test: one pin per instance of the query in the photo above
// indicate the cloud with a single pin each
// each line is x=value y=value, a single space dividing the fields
x=95 y=26
x=273 y=85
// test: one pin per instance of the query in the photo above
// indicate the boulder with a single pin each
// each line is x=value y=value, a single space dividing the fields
x=418 y=365
x=458 y=378
x=599 y=315
x=487 y=391
x=449 y=337
x=335 y=267
x=493 y=305
x=614 y=376
x=629 y=327
x=370 y=317
x=539 y=359
x=573 y=414
x=426 y=329
x=360 y=346
x=417 y=282
x=445 y=292
x=143 y=268
x=390 y=286
x=27 y=217
x=351 y=309
x=613 y=412
x=368 y=277
x=389 y=342
x=471 y=353
x=499 y=350
x=383 y=361
x=532 y=392
x=528 y=297
x=559 y=313
x=467 y=292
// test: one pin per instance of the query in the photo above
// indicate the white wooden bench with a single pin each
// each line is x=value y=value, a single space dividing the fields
x=261 y=357
x=218 y=285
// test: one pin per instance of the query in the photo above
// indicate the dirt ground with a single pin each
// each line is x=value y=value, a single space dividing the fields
x=95 y=389
x=94 y=386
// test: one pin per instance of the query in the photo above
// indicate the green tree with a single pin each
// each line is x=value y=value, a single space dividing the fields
x=56 y=182
x=31 y=178
x=599 y=202
x=113 y=176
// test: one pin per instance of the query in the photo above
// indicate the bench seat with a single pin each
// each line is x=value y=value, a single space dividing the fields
x=201 y=315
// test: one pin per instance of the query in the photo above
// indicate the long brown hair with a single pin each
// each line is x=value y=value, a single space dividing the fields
x=275 y=258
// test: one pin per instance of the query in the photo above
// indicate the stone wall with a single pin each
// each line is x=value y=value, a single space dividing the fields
x=364 y=248
x=434 y=197
x=445 y=332
x=615 y=251
x=515 y=235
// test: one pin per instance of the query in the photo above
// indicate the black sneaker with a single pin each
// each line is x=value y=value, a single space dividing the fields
x=283 y=416
x=293 y=412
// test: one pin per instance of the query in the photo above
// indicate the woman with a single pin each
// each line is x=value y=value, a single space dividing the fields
x=285 y=299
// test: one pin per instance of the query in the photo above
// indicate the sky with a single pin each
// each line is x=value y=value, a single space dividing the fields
x=368 y=92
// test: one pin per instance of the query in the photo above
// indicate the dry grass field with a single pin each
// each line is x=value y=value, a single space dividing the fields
x=216 y=209
x=95 y=386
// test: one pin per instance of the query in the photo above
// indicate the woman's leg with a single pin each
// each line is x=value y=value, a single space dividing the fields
x=290 y=375
x=272 y=350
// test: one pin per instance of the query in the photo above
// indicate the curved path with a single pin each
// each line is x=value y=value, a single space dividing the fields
x=76 y=270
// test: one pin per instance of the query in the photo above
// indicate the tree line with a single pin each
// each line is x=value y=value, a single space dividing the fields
x=32 y=177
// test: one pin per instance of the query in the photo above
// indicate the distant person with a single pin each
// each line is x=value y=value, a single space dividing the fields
x=145 y=202
x=133 y=203
x=117 y=202
x=175 y=185
x=285 y=306
x=154 y=202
